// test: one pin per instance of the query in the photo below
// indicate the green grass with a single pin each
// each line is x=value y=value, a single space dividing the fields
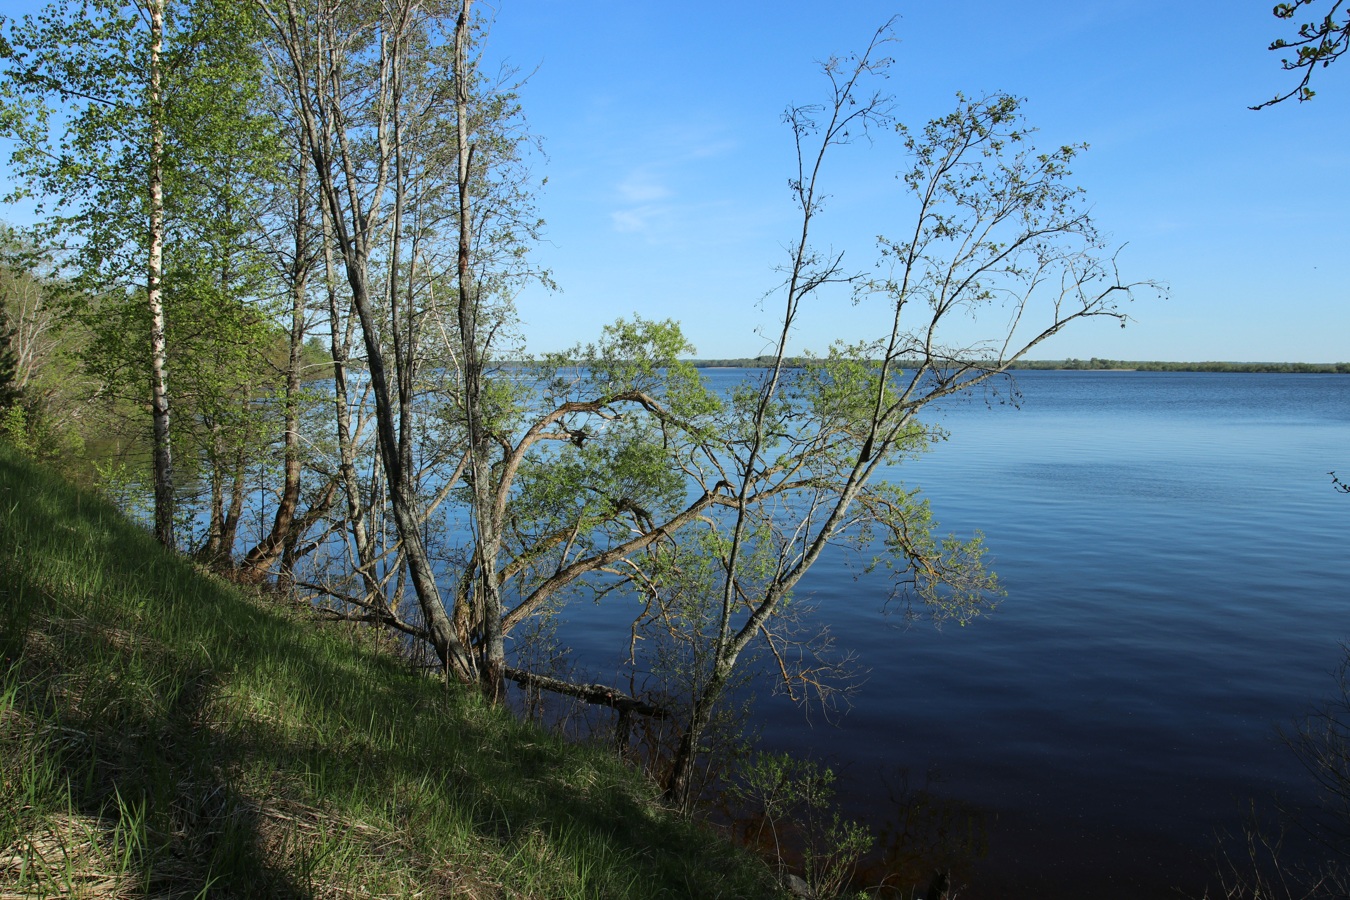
x=165 y=734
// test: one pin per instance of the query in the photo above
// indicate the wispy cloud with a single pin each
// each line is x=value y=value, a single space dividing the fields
x=636 y=219
x=642 y=186
x=644 y=198
x=653 y=190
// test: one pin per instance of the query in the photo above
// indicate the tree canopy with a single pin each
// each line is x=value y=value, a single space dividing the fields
x=353 y=172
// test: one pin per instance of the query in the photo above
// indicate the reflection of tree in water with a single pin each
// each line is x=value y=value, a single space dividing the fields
x=785 y=809
x=926 y=840
x=1305 y=854
x=917 y=840
x=1322 y=745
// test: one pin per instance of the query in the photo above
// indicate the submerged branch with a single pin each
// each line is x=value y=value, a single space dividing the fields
x=597 y=694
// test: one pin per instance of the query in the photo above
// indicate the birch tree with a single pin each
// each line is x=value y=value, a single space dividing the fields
x=117 y=110
x=101 y=65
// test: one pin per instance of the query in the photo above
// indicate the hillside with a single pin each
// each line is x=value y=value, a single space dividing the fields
x=165 y=734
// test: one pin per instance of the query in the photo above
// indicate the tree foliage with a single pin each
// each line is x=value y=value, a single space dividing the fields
x=123 y=113
x=1317 y=44
x=352 y=172
x=993 y=232
x=49 y=402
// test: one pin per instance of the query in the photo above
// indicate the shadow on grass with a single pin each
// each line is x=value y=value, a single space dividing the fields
x=122 y=719
x=239 y=749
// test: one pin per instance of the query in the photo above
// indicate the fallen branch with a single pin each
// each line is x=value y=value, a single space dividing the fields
x=598 y=694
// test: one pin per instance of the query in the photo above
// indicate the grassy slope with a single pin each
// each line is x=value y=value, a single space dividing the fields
x=163 y=734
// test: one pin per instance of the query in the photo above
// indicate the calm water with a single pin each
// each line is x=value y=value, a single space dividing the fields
x=1174 y=558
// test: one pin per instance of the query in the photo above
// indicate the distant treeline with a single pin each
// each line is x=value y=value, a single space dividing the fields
x=748 y=362
x=1124 y=365
x=1155 y=366
x=1096 y=364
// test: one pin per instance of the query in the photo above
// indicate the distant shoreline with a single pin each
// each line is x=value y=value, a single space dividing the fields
x=1058 y=365
x=1095 y=365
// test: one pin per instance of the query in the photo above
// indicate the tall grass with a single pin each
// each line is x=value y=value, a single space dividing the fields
x=164 y=734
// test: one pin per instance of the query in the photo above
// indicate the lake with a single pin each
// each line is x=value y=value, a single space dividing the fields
x=1174 y=557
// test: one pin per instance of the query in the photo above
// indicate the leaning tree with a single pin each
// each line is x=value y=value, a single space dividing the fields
x=993 y=233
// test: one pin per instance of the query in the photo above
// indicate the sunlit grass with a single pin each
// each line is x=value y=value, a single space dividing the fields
x=164 y=734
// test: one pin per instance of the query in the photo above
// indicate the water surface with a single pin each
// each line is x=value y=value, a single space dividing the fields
x=1175 y=564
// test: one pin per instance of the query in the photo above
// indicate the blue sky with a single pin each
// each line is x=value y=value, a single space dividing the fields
x=667 y=161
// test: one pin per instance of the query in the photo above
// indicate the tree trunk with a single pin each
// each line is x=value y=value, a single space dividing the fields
x=402 y=492
x=259 y=561
x=235 y=513
x=159 y=382
x=680 y=780
x=487 y=529
x=352 y=207
x=210 y=550
x=340 y=337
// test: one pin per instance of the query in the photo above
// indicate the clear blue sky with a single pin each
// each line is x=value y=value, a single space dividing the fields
x=667 y=161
